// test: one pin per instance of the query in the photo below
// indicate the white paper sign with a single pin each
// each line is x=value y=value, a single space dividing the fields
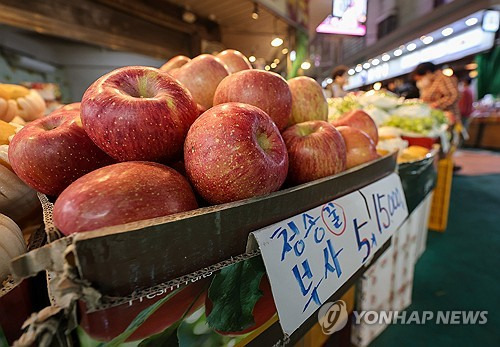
x=308 y=257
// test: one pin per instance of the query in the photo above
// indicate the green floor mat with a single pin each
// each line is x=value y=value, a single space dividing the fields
x=458 y=271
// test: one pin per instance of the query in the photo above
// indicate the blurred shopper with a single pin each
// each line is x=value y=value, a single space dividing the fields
x=466 y=100
x=436 y=89
x=339 y=77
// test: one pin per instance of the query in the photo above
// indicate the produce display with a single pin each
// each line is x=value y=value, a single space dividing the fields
x=146 y=143
x=412 y=117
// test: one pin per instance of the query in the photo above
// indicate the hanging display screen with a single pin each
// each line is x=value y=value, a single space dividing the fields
x=348 y=17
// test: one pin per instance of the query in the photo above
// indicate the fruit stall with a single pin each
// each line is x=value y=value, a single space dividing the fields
x=206 y=202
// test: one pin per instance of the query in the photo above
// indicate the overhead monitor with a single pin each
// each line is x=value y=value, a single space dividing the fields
x=348 y=17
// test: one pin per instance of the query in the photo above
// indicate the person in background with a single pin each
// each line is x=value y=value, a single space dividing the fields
x=466 y=100
x=339 y=77
x=436 y=89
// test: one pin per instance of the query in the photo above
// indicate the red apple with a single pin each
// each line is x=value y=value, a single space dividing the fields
x=308 y=100
x=122 y=193
x=361 y=120
x=234 y=60
x=360 y=147
x=315 y=150
x=266 y=90
x=201 y=76
x=138 y=113
x=51 y=152
x=175 y=63
x=235 y=151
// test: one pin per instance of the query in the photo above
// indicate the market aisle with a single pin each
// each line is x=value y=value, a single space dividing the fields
x=459 y=270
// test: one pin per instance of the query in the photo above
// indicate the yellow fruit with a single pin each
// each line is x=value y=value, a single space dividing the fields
x=12 y=91
x=418 y=151
x=6 y=130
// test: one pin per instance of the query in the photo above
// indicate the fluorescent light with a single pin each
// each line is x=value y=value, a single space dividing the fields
x=386 y=57
x=411 y=46
x=252 y=59
x=273 y=65
x=448 y=72
x=351 y=72
x=267 y=68
x=427 y=39
x=276 y=61
x=375 y=62
x=293 y=55
x=377 y=86
x=330 y=80
x=305 y=65
x=276 y=42
x=447 y=31
x=366 y=66
x=359 y=68
x=398 y=52
x=471 y=21
x=284 y=50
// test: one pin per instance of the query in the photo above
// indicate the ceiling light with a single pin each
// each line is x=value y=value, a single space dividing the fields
x=305 y=65
x=471 y=21
x=398 y=52
x=329 y=80
x=276 y=61
x=267 y=68
x=358 y=68
x=375 y=62
x=252 y=59
x=366 y=65
x=284 y=50
x=273 y=65
x=377 y=86
x=386 y=57
x=189 y=17
x=448 y=72
x=447 y=31
x=293 y=55
x=471 y=66
x=473 y=74
x=276 y=42
x=427 y=39
x=351 y=72
x=255 y=13
x=411 y=46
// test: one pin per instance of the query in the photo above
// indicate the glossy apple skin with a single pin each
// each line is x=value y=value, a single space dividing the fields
x=104 y=325
x=138 y=113
x=175 y=63
x=122 y=193
x=361 y=120
x=265 y=90
x=360 y=147
x=49 y=160
x=263 y=310
x=201 y=76
x=315 y=150
x=223 y=157
x=308 y=100
x=235 y=60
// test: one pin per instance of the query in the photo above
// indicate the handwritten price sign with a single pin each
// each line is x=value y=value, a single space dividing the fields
x=309 y=256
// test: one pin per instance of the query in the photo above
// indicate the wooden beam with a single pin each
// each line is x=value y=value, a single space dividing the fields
x=96 y=24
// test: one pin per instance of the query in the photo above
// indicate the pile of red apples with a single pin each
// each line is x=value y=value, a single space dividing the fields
x=147 y=142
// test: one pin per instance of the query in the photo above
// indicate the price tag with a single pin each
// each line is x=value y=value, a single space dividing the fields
x=309 y=256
